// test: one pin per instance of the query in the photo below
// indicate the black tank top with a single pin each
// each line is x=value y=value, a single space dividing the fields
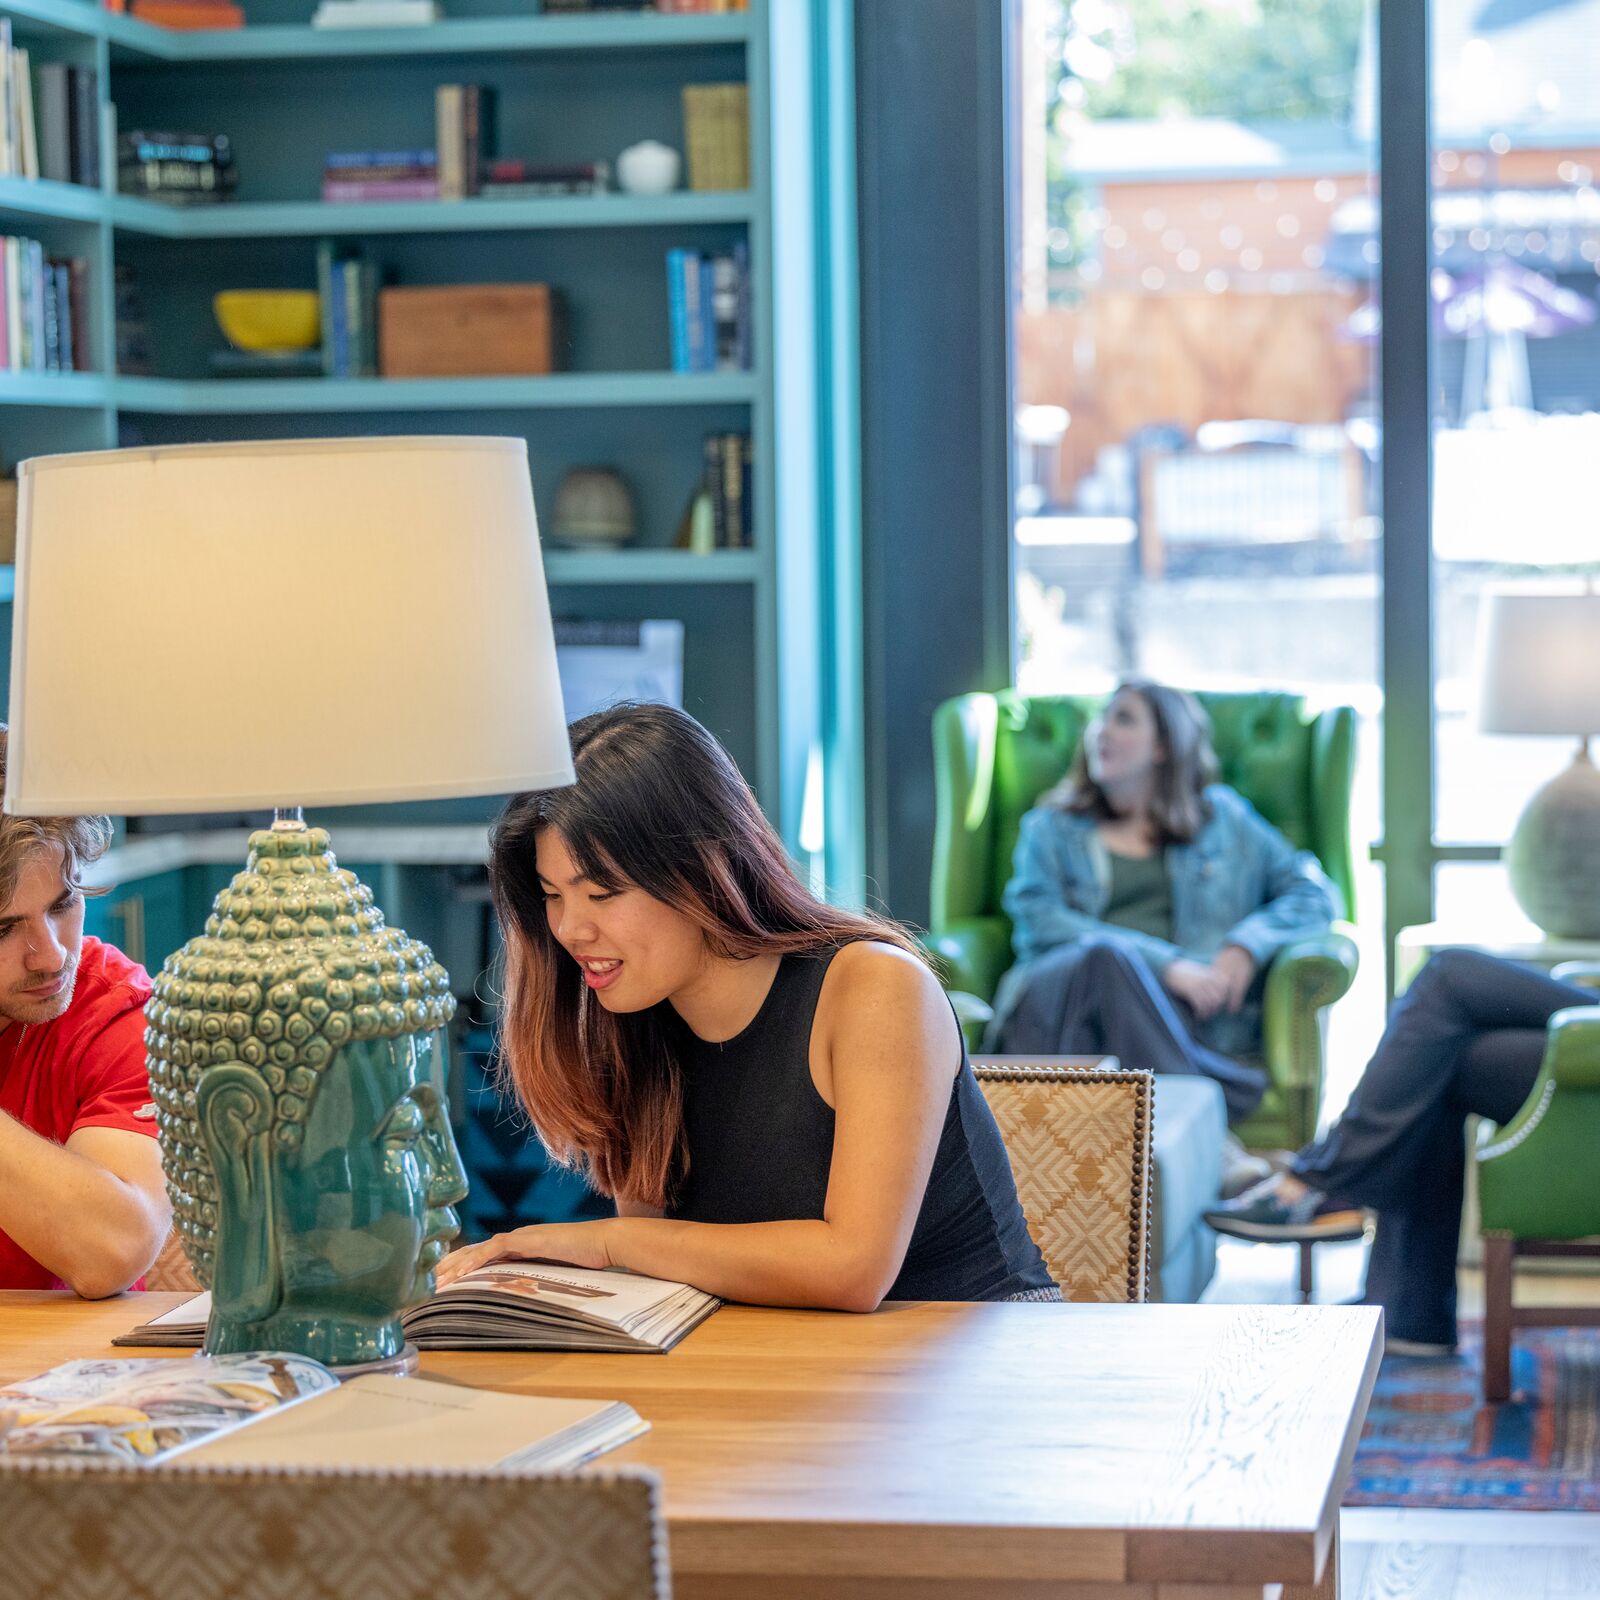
x=760 y=1143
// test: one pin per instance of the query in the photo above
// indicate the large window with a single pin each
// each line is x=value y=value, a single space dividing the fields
x=1195 y=427
x=1516 y=251
x=1198 y=325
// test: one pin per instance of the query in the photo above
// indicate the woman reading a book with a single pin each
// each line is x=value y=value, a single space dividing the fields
x=774 y=1091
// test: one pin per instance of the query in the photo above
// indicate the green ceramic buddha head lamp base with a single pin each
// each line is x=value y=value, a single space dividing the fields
x=226 y=628
x=1539 y=673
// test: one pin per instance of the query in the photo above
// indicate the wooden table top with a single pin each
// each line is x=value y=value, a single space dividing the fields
x=953 y=1444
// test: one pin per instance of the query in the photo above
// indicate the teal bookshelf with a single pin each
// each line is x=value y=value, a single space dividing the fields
x=570 y=87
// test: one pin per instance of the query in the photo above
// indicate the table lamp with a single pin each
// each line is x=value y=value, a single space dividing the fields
x=279 y=624
x=1539 y=673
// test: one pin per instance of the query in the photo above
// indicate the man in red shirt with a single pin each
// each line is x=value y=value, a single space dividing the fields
x=82 y=1201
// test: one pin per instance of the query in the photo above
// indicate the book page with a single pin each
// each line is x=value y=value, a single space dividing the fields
x=610 y=1297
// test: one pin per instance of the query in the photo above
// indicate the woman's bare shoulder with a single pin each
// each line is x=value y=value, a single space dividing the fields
x=873 y=967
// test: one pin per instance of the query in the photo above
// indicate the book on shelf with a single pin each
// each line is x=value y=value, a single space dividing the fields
x=271 y=1409
x=708 y=300
x=375 y=14
x=178 y=168
x=512 y=1305
x=187 y=15
x=716 y=127
x=516 y=179
x=464 y=136
x=700 y=7
x=729 y=460
x=45 y=319
x=347 y=291
x=358 y=175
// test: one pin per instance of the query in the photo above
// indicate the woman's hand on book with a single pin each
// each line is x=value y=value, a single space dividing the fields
x=579 y=1244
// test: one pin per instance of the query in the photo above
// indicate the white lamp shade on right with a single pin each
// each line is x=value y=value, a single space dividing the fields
x=1539 y=663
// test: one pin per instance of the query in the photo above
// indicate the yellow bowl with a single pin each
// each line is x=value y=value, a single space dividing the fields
x=269 y=319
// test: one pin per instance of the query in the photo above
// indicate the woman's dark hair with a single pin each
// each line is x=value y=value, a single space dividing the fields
x=659 y=806
x=1178 y=805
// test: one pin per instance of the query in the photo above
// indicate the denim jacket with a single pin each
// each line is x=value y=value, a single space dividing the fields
x=1238 y=881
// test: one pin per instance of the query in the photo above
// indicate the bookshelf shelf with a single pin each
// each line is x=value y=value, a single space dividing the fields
x=209 y=397
x=34 y=19
x=460 y=37
x=649 y=566
x=91 y=389
x=39 y=197
x=315 y=218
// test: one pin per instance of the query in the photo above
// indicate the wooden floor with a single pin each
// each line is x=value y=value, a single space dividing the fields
x=1469 y=1555
x=1435 y=1555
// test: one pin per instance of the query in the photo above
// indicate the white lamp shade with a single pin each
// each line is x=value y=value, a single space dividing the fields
x=307 y=622
x=1539 y=662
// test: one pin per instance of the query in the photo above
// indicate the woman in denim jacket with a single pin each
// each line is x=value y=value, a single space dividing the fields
x=1147 y=901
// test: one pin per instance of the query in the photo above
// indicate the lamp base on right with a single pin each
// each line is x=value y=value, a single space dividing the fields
x=1553 y=859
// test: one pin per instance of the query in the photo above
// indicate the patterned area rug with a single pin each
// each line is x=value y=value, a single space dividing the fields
x=1431 y=1441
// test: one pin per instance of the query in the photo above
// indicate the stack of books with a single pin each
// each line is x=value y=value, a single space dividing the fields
x=188 y=14
x=716 y=126
x=364 y=175
x=348 y=287
x=45 y=324
x=375 y=13
x=67 y=111
x=180 y=168
x=709 y=303
x=728 y=461
x=464 y=136
x=523 y=180
x=702 y=5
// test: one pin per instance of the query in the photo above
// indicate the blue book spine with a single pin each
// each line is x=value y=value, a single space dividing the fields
x=338 y=159
x=708 y=314
x=678 y=309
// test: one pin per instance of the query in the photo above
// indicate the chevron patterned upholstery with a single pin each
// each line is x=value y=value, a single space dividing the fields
x=171 y=1270
x=254 y=1533
x=1079 y=1142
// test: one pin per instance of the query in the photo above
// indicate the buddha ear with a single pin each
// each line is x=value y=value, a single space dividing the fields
x=235 y=1110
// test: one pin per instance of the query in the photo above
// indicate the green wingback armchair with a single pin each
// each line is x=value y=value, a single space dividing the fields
x=994 y=754
x=1537 y=1193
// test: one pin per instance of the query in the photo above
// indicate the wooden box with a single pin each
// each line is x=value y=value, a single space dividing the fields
x=470 y=330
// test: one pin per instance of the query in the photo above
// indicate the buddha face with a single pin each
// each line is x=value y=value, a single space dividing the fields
x=364 y=1206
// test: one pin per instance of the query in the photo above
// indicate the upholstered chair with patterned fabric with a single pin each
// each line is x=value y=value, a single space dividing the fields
x=258 y=1533
x=995 y=754
x=1079 y=1143
x=171 y=1269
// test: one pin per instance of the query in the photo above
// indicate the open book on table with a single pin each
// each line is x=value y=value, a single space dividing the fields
x=268 y=1409
x=512 y=1305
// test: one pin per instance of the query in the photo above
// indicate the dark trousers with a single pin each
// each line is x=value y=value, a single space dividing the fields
x=1466 y=1037
x=1099 y=996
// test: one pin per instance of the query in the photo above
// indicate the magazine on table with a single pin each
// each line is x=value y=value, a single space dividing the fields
x=269 y=1409
x=513 y=1305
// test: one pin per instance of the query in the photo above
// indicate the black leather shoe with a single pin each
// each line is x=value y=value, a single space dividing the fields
x=1265 y=1213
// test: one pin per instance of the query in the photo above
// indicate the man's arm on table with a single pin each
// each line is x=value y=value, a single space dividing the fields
x=93 y=1211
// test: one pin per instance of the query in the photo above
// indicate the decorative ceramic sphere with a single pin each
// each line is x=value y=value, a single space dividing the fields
x=649 y=167
x=294 y=962
x=1553 y=860
x=593 y=507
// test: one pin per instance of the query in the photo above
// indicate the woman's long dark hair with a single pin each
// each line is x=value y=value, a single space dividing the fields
x=659 y=806
x=1178 y=807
